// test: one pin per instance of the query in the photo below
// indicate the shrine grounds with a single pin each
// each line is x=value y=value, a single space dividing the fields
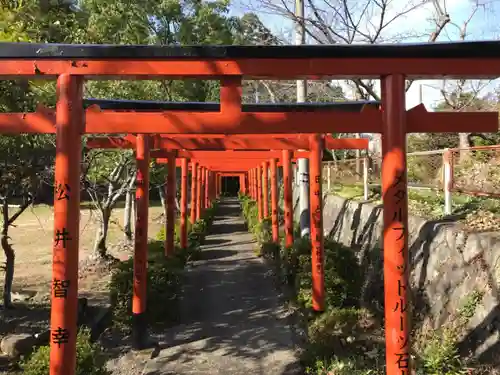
x=32 y=238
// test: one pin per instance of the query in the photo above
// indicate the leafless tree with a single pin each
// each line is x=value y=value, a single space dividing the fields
x=460 y=95
x=105 y=190
x=127 y=213
x=357 y=21
x=8 y=221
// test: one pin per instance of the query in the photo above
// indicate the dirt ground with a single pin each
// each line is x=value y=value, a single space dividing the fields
x=32 y=239
x=32 y=242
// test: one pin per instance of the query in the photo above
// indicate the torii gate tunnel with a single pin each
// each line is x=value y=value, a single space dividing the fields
x=392 y=64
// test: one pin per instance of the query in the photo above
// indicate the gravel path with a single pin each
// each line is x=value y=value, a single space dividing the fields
x=233 y=320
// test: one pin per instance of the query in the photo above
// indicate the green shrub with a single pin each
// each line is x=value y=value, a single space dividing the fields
x=250 y=213
x=343 y=276
x=270 y=250
x=261 y=230
x=440 y=355
x=163 y=284
x=325 y=331
x=161 y=235
x=89 y=358
x=340 y=367
x=164 y=276
x=290 y=258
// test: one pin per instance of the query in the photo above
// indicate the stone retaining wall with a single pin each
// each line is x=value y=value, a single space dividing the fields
x=448 y=264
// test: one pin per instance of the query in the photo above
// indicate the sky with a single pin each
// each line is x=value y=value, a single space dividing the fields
x=482 y=26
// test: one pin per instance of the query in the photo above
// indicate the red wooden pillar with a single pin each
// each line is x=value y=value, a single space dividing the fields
x=211 y=187
x=198 y=193
x=274 y=200
x=316 y=216
x=139 y=324
x=63 y=318
x=216 y=185
x=288 y=197
x=245 y=187
x=254 y=183
x=171 y=193
x=207 y=184
x=395 y=198
x=194 y=190
x=259 y=193
x=202 y=195
x=250 y=184
x=220 y=184
x=265 y=188
x=210 y=190
x=184 y=192
x=252 y=191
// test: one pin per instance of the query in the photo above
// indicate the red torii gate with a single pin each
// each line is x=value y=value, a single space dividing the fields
x=315 y=156
x=220 y=142
x=203 y=198
x=392 y=63
x=201 y=203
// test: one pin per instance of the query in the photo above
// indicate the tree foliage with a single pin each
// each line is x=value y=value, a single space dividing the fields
x=27 y=160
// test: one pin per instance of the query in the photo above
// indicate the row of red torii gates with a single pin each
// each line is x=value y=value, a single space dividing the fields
x=392 y=64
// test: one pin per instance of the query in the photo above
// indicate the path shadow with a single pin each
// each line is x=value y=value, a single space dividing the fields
x=227 y=228
x=229 y=308
x=229 y=244
x=215 y=241
x=217 y=254
x=231 y=311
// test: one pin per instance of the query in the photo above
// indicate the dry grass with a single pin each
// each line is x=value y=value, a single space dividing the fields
x=32 y=242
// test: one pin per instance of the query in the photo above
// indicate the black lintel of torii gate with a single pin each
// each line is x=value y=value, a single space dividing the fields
x=147 y=105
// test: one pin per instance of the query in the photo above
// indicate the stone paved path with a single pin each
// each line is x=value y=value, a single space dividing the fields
x=233 y=321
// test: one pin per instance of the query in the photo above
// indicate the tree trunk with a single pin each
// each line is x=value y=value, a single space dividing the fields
x=134 y=210
x=8 y=250
x=161 y=190
x=358 y=160
x=9 y=257
x=9 y=267
x=100 y=250
x=127 y=215
x=463 y=143
x=376 y=145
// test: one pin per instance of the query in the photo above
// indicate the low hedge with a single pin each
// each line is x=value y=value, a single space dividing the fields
x=164 y=276
x=163 y=284
x=343 y=280
x=261 y=230
x=89 y=358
